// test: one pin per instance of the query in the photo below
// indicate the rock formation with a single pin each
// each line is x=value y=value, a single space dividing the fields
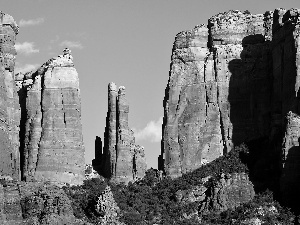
x=231 y=81
x=51 y=136
x=106 y=204
x=35 y=203
x=9 y=107
x=291 y=160
x=121 y=159
x=229 y=192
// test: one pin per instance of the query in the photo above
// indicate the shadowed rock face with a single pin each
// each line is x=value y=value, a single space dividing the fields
x=231 y=81
x=9 y=108
x=291 y=164
x=121 y=159
x=51 y=139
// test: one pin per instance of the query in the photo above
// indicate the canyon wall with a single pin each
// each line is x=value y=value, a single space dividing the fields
x=231 y=81
x=9 y=107
x=121 y=159
x=51 y=132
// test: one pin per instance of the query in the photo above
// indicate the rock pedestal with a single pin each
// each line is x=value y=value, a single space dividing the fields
x=9 y=107
x=121 y=160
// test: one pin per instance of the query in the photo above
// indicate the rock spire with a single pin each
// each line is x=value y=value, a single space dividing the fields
x=121 y=159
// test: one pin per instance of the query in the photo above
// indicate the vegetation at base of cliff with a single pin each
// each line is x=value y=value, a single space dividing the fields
x=84 y=198
x=236 y=161
x=153 y=199
x=263 y=208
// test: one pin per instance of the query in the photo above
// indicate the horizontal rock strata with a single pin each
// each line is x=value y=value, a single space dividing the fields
x=121 y=159
x=51 y=138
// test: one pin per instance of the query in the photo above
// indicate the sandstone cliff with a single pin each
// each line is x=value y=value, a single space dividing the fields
x=121 y=159
x=9 y=107
x=51 y=134
x=231 y=81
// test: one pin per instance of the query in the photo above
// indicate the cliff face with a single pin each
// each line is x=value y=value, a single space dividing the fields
x=9 y=107
x=231 y=81
x=121 y=159
x=51 y=139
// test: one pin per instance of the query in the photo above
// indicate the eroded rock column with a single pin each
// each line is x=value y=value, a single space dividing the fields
x=111 y=138
x=53 y=144
x=121 y=160
x=9 y=107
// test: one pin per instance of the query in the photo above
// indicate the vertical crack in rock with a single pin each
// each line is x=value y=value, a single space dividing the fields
x=39 y=133
x=121 y=159
x=224 y=138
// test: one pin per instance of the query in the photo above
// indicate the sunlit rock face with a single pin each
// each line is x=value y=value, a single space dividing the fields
x=121 y=160
x=9 y=107
x=51 y=138
x=229 y=192
x=231 y=81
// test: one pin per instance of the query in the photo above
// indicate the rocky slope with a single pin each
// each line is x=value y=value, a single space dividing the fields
x=231 y=81
x=35 y=203
x=9 y=107
x=121 y=159
x=51 y=139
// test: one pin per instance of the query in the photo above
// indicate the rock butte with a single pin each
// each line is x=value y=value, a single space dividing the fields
x=51 y=133
x=121 y=159
x=232 y=81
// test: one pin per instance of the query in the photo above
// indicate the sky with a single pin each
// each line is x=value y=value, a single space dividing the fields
x=128 y=42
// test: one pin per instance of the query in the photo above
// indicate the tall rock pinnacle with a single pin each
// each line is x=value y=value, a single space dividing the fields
x=51 y=141
x=122 y=160
x=9 y=107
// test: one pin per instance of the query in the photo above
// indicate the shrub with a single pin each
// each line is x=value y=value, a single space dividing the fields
x=84 y=198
